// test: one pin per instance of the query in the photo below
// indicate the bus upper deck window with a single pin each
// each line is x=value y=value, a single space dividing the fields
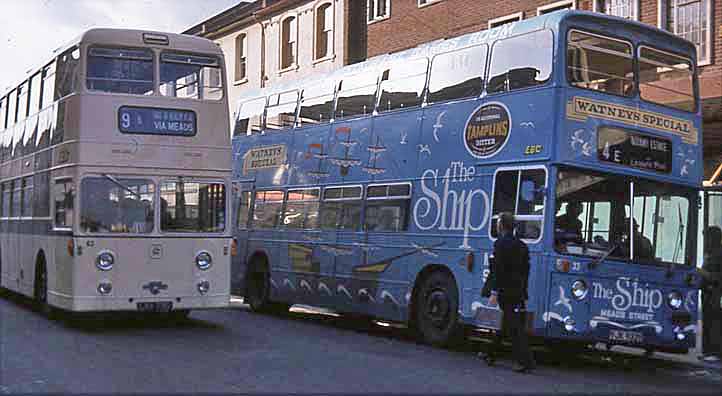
x=250 y=117
x=190 y=76
x=402 y=86
x=67 y=73
x=458 y=74
x=316 y=104
x=600 y=63
x=666 y=79
x=509 y=71
x=120 y=70
x=356 y=96
x=281 y=110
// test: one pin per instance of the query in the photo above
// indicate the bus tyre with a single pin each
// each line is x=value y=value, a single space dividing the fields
x=437 y=310
x=41 y=291
x=258 y=290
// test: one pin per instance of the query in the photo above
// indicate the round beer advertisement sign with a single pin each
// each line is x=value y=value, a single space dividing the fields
x=487 y=130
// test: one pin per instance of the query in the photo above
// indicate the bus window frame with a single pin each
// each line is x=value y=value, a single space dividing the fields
x=157 y=223
x=338 y=88
x=492 y=215
x=83 y=71
x=694 y=69
x=283 y=225
x=79 y=203
x=389 y=67
x=490 y=58
x=262 y=124
x=55 y=181
x=407 y=220
x=360 y=199
x=483 y=75
x=277 y=217
x=158 y=60
x=278 y=96
x=635 y=62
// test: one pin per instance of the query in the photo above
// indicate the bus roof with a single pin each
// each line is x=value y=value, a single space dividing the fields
x=129 y=37
x=555 y=21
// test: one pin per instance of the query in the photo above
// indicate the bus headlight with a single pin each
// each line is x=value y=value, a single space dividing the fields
x=105 y=287
x=203 y=261
x=204 y=286
x=105 y=261
x=674 y=300
x=579 y=289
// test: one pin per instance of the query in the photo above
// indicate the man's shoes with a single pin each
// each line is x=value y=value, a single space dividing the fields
x=520 y=368
x=487 y=358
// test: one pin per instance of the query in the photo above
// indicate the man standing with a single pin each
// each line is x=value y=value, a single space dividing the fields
x=508 y=280
x=711 y=295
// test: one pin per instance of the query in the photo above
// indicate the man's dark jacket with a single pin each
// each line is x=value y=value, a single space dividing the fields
x=509 y=270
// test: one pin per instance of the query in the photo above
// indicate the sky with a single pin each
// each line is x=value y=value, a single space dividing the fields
x=31 y=29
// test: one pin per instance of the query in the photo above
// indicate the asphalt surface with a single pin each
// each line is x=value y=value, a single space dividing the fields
x=234 y=350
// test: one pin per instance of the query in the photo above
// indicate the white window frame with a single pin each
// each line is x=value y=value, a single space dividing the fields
x=244 y=49
x=502 y=20
x=375 y=18
x=427 y=3
x=597 y=7
x=557 y=4
x=332 y=37
x=663 y=21
x=294 y=63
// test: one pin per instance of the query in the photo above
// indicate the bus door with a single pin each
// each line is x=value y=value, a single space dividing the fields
x=711 y=335
x=243 y=192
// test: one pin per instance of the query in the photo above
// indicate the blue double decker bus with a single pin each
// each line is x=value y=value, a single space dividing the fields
x=375 y=190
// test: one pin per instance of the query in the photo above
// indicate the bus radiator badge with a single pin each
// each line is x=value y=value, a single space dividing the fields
x=156 y=251
x=155 y=287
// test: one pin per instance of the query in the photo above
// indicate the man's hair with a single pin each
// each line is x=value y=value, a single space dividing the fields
x=506 y=221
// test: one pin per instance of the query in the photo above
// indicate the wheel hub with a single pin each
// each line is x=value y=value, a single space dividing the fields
x=437 y=308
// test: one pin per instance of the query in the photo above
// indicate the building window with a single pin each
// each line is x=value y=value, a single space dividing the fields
x=324 y=31
x=691 y=20
x=622 y=8
x=241 y=51
x=556 y=6
x=427 y=2
x=496 y=22
x=288 y=42
x=378 y=9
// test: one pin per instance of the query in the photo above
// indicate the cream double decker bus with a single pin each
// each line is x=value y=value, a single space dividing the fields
x=114 y=175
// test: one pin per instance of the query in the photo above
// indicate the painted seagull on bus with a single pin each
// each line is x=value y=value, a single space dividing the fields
x=564 y=300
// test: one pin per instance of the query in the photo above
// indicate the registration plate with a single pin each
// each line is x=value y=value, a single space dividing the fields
x=162 y=306
x=626 y=336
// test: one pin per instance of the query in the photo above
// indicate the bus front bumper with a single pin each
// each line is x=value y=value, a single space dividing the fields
x=138 y=304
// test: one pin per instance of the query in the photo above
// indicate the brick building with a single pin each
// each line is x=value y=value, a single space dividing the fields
x=268 y=42
x=394 y=25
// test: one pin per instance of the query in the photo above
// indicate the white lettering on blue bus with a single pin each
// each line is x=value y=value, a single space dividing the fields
x=432 y=209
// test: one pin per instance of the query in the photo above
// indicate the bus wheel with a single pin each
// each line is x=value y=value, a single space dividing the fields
x=258 y=288
x=41 y=290
x=437 y=310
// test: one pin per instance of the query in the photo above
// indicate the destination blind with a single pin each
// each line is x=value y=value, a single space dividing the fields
x=634 y=150
x=155 y=121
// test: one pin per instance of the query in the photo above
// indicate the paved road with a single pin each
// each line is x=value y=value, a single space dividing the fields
x=234 y=350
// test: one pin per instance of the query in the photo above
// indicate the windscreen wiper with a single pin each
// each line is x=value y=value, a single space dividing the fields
x=593 y=264
x=121 y=185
